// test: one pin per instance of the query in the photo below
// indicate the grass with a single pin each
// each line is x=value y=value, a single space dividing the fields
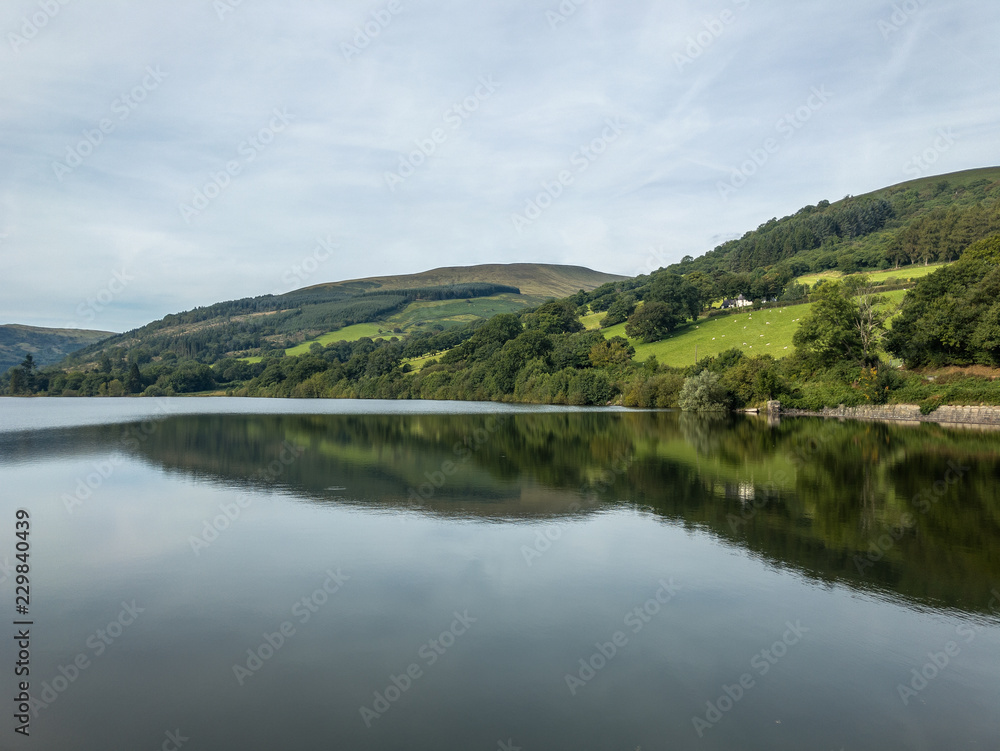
x=422 y=315
x=346 y=334
x=903 y=274
x=419 y=316
x=418 y=362
x=761 y=332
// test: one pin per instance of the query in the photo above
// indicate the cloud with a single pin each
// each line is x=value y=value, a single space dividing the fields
x=699 y=89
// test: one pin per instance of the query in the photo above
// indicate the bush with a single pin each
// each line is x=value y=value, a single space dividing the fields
x=590 y=387
x=703 y=393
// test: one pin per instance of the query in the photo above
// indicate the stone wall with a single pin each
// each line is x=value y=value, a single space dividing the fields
x=907 y=412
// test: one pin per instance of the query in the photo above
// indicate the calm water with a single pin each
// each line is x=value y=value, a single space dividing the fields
x=370 y=575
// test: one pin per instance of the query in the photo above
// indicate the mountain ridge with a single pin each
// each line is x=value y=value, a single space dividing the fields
x=525 y=276
x=45 y=345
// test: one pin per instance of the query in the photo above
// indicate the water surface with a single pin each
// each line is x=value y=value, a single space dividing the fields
x=386 y=575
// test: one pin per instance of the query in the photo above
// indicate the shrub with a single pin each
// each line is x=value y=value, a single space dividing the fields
x=703 y=393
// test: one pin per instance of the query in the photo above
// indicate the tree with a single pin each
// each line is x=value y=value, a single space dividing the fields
x=950 y=316
x=133 y=381
x=611 y=352
x=620 y=310
x=702 y=393
x=872 y=313
x=676 y=291
x=556 y=317
x=29 y=367
x=707 y=291
x=491 y=336
x=847 y=322
x=652 y=322
x=18 y=385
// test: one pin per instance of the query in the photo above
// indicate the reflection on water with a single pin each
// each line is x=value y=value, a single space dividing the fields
x=446 y=580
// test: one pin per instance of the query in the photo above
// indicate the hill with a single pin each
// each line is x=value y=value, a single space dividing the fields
x=916 y=222
x=532 y=279
x=472 y=334
x=45 y=345
x=429 y=302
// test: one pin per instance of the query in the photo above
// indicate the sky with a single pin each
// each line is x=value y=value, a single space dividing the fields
x=157 y=156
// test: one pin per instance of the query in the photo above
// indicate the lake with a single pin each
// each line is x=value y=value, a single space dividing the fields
x=281 y=574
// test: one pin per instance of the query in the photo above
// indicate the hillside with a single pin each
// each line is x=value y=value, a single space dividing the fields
x=767 y=332
x=429 y=302
x=472 y=334
x=533 y=279
x=913 y=223
x=45 y=345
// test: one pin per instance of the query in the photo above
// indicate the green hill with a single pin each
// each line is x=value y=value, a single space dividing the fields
x=45 y=345
x=429 y=302
x=913 y=223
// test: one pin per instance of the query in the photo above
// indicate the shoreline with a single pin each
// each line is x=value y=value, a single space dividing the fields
x=981 y=416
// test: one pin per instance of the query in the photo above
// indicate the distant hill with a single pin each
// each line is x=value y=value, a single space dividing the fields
x=533 y=279
x=396 y=305
x=46 y=346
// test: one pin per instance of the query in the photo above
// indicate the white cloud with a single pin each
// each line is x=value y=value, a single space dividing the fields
x=652 y=192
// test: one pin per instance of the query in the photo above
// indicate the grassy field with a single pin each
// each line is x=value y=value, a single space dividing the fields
x=420 y=316
x=346 y=334
x=418 y=362
x=903 y=274
x=763 y=332
x=758 y=332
